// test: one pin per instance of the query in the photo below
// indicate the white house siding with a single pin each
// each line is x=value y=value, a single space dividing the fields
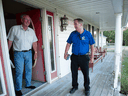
x=63 y=36
x=104 y=40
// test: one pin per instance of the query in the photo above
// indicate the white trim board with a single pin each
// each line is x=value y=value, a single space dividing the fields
x=4 y=45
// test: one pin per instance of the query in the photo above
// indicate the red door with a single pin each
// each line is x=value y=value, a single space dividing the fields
x=51 y=37
x=39 y=69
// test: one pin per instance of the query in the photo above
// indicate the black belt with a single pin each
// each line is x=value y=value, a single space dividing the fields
x=81 y=55
x=24 y=50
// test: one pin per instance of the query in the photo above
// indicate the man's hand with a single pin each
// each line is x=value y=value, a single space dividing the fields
x=35 y=56
x=65 y=56
x=35 y=49
x=9 y=44
x=66 y=51
x=91 y=60
x=92 y=54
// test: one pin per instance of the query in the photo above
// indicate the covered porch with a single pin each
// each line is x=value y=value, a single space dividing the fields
x=98 y=16
x=102 y=80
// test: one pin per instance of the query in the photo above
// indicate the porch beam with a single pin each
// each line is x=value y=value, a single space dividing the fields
x=117 y=47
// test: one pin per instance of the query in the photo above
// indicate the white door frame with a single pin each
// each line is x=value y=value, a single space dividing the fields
x=4 y=45
x=46 y=46
x=2 y=80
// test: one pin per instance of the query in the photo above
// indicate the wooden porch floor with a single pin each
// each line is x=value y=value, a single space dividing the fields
x=101 y=81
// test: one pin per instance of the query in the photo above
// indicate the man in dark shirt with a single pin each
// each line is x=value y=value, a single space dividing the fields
x=80 y=40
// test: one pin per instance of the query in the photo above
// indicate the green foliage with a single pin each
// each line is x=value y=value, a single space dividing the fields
x=124 y=73
x=110 y=36
x=125 y=38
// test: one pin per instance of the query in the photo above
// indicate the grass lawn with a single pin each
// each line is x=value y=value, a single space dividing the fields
x=124 y=73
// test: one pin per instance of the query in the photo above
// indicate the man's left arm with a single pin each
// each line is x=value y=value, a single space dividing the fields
x=92 y=53
x=35 y=49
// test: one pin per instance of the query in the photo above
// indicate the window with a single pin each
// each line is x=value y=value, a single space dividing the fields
x=50 y=34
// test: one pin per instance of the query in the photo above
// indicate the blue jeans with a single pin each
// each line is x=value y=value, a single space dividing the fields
x=21 y=59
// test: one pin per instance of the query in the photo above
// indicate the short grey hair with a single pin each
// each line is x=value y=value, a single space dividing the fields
x=23 y=15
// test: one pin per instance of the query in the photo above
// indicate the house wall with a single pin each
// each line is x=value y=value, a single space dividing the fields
x=104 y=41
x=63 y=36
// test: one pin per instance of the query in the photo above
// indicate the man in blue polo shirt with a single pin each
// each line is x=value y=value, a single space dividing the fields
x=80 y=40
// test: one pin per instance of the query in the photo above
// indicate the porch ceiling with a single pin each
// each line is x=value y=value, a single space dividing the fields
x=99 y=13
x=95 y=12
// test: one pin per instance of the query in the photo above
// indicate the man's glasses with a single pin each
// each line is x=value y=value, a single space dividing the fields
x=80 y=37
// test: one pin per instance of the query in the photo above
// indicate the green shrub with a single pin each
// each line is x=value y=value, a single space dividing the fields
x=124 y=73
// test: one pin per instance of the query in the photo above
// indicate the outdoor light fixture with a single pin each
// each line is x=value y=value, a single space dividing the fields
x=64 y=22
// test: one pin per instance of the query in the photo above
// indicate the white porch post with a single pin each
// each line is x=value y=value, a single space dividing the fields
x=87 y=27
x=57 y=43
x=46 y=45
x=121 y=41
x=97 y=37
x=121 y=47
x=91 y=29
x=117 y=47
x=101 y=40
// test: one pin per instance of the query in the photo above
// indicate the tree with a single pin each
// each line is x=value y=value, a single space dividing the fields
x=110 y=36
x=125 y=38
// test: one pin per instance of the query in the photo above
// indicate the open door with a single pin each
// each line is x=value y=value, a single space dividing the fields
x=51 y=37
x=39 y=70
x=3 y=82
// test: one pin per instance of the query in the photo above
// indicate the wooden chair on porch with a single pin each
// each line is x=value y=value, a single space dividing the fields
x=104 y=52
x=96 y=53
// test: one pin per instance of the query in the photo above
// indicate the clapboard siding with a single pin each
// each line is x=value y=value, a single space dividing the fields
x=63 y=36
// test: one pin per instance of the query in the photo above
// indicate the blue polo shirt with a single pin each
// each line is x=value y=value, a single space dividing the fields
x=80 y=42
